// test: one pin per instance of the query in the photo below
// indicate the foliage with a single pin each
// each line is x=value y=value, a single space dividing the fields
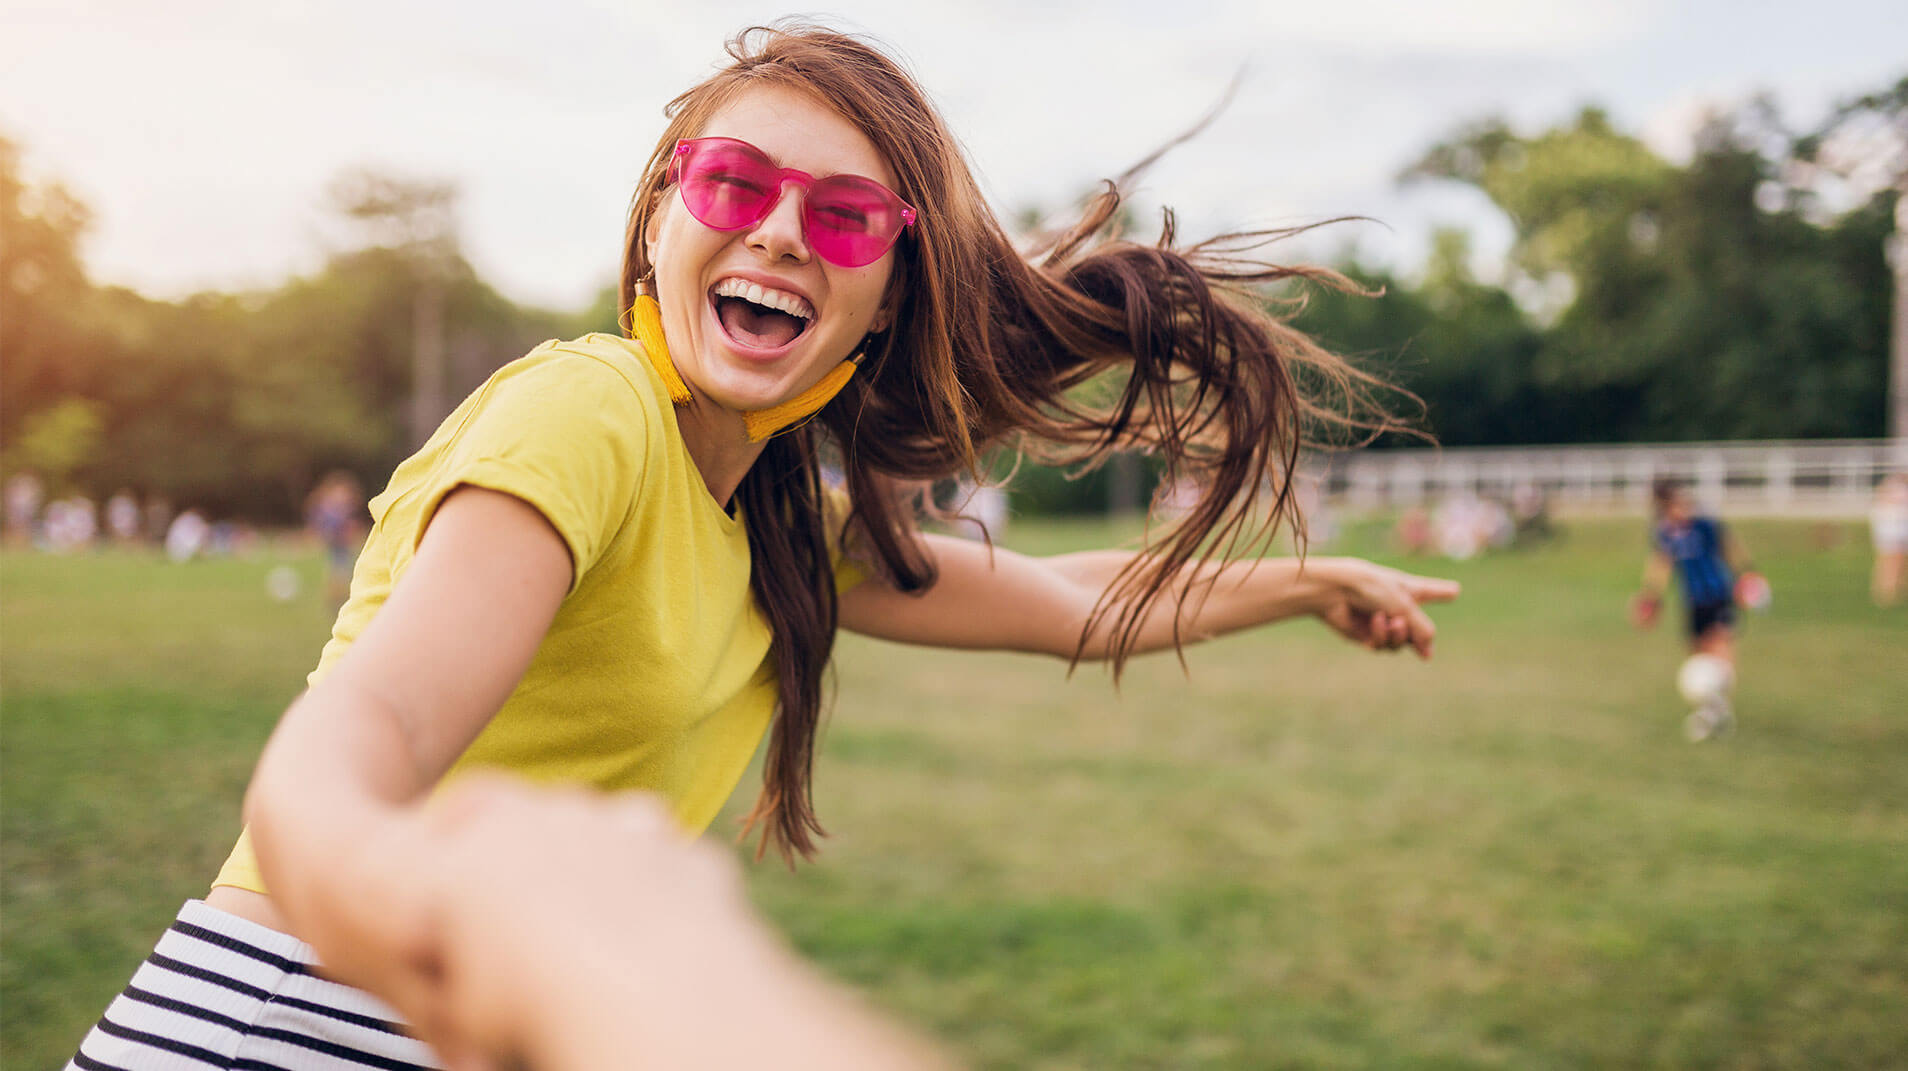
x=57 y=441
x=1463 y=347
x=237 y=403
x=43 y=334
x=1707 y=300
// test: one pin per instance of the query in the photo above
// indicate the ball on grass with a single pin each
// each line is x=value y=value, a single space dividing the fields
x=1703 y=678
x=282 y=583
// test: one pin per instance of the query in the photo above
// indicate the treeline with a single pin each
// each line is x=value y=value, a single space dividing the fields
x=236 y=404
x=1743 y=294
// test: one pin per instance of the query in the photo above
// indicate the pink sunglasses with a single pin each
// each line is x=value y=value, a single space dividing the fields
x=848 y=220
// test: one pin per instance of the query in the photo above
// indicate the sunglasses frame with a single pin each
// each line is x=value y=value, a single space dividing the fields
x=687 y=147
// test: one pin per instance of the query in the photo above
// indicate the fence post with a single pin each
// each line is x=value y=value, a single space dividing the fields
x=1779 y=478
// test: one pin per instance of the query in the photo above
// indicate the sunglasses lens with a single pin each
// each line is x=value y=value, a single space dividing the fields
x=727 y=185
x=851 y=220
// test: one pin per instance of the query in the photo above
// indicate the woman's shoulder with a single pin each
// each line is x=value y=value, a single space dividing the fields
x=594 y=361
x=597 y=388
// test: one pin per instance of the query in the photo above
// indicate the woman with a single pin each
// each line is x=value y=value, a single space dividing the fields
x=615 y=563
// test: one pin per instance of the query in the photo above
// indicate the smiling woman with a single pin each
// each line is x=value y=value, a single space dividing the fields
x=616 y=565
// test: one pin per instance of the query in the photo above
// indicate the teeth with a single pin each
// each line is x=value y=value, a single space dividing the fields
x=780 y=300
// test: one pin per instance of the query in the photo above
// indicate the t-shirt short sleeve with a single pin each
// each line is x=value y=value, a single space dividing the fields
x=562 y=431
x=849 y=571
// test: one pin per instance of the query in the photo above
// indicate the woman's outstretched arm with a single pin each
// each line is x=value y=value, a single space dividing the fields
x=997 y=599
x=375 y=734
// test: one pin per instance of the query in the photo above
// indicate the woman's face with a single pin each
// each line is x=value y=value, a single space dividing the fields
x=744 y=354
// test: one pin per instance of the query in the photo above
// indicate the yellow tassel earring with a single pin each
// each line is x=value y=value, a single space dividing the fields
x=763 y=423
x=645 y=324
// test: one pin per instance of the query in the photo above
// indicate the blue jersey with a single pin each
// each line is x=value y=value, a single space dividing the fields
x=1697 y=550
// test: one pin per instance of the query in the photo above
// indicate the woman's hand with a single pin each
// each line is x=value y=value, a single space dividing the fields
x=571 y=931
x=1377 y=606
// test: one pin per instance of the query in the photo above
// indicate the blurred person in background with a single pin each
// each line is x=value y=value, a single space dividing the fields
x=187 y=535
x=158 y=519
x=1412 y=534
x=1711 y=565
x=1888 y=527
x=615 y=564
x=1321 y=528
x=24 y=493
x=335 y=516
x=1530 y=515
x=123 y=518
x=71 y=524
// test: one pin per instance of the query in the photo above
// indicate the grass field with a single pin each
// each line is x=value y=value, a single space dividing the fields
x=1300 y=855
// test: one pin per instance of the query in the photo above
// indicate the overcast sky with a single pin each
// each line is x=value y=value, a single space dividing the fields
x=203 y=132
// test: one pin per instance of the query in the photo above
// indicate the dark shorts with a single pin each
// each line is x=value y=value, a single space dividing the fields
x=1704 y=616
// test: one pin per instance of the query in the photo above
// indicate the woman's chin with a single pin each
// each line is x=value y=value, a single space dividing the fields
x=740 y=391
x=741 y=398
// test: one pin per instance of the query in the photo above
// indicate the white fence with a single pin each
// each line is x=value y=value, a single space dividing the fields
x=1797 y=478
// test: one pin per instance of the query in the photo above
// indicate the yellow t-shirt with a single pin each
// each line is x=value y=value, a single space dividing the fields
x=655 y=673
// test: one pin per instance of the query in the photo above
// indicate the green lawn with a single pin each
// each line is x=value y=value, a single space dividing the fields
x=1295 y=854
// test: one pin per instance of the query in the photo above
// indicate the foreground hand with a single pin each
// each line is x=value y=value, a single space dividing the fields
x=368 y=923
x=1380 y=607
x=538 y=891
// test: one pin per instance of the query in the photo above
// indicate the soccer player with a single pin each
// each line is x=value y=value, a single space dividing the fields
x=1707 y=559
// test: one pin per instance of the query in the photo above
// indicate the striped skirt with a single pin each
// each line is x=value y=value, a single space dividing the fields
x=224 y=992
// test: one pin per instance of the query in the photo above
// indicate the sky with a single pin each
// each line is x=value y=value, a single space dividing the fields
x=203 y=133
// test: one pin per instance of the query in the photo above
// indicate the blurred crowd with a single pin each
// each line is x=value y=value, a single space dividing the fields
x=74 y=523
x=1467 y=524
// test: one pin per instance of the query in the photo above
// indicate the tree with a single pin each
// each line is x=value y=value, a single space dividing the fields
x=236 y=403
x=1864 y=143
x=57 y=442
x=1464 y=347
x=1690 y=302
x=47 y=350
x=417 y=220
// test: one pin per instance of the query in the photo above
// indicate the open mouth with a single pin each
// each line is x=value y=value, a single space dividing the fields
x=759 y=317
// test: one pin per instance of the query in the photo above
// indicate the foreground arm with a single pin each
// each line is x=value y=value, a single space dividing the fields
x=999 y=600
x=576 y=932
x=376 y=733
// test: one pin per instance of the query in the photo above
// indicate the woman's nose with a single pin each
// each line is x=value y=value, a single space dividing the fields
x=779 y=235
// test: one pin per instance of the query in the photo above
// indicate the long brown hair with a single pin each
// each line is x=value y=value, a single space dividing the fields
x=986 y=351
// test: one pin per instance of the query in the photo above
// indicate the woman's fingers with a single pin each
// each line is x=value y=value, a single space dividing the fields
x=1431 y=588
x=1398 y=630
x=1399 y=600
x=1381 y=608
x=1422 y=632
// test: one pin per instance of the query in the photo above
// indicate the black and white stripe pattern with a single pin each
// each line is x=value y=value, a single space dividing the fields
x=223 y=992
